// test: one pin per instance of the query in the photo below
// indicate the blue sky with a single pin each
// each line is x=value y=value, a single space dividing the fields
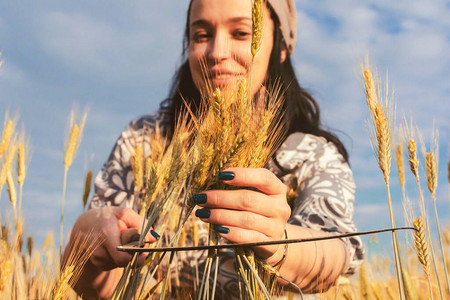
x=118 y=57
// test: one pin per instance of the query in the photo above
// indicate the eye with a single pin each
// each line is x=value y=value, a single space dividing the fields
x=200 y=37
x=242 y=34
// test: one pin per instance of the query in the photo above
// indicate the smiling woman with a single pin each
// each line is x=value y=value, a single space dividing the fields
x=311 y=164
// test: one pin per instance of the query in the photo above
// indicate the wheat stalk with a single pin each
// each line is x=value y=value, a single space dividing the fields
x=72 y=144
x=414 y=166
x=382 y=124
x=87 y=188
x=389 y=292
x=432 y=179
x=72 y=263
x=62 y=285
x=364 y=283
x=406 y=203
x=420 y=241
x=5 y=266
x=409 y=286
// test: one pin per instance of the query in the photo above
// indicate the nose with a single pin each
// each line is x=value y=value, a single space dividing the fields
x=219 y=47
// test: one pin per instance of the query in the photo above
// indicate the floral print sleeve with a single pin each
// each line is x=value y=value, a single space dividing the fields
x=325 y=188
x=114 y=184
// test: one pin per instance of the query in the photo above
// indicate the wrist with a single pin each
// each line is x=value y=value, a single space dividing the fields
x=278 y=258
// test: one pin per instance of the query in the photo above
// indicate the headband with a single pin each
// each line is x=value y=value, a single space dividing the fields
x=287 y=14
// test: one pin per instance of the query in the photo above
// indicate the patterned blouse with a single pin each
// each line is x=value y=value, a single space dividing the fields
x=307 y=163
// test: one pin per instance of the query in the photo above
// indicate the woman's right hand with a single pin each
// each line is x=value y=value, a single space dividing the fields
x=108 y=223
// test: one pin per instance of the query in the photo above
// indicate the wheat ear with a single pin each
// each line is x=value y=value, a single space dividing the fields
x=420 y=241
x=257 y=27
x=364 y=283
x=7 y=167
x=400 y=165
x=137 y=165
x=11 y=189
x=6 y=268
x=8 y=130
x=87 y=188
x=22 y=158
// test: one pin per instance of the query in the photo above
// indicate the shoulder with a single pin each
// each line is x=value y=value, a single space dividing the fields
x=300 y=148
x=146 y=122
x=139 y=128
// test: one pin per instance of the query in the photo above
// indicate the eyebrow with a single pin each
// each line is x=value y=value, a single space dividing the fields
x=201 y=22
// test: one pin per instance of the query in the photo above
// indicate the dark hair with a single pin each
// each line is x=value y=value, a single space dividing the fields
x=301 y=112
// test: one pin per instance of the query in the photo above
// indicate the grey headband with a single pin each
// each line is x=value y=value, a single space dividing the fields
x=287 y=14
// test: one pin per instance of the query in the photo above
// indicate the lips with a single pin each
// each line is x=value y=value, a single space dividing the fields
x=222 y=77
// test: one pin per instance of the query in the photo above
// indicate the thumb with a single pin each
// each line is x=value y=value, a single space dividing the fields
x=127 y=219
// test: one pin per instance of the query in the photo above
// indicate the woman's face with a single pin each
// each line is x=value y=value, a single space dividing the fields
x=220 y=35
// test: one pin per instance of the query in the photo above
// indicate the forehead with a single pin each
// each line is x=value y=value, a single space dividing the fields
x=219 y=10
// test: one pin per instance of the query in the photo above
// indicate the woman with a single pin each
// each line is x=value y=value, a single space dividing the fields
x=311 y=160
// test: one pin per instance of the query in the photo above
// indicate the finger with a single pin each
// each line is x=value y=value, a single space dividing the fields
x=119 y=258
x=102 y=259
x=243 y=200
x=129 y=235
x=240 y=235
x=259 y=178
x=128 y=218
x=245 y=220
x=141 y=259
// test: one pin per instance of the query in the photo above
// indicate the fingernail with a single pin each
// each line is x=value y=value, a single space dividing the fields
x=222 y=229
x=155 y=235
x=135 y=237
x=202 y=213
x=199 y=198
x=226 y=175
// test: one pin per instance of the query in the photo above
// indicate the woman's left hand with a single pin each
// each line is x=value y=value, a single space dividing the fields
x=256 y=215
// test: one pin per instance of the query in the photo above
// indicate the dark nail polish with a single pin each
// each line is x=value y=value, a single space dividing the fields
x=155 y=235
x=202 y=213
x=222 y=229
x=199 y=198
x=226 y=175
x=135 y=238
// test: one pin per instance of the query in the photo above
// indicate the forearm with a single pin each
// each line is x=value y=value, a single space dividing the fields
x=313 y=266
x=97 y=284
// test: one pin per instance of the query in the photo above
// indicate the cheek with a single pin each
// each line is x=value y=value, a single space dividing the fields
x=242 y=55
x=196 y=69
x=195 y=59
